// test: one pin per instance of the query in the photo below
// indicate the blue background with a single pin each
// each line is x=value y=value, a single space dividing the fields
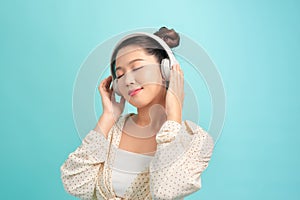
x=254 y=44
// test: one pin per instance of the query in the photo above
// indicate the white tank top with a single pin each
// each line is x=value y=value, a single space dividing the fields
x=125 y=168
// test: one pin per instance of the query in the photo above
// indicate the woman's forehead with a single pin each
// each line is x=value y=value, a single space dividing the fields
x=129 y=54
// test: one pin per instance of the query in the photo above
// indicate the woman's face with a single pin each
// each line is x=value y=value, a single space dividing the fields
x=139 y=77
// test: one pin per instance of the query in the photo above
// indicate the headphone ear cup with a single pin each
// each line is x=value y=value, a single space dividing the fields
x=115 y=87
x=165 y=68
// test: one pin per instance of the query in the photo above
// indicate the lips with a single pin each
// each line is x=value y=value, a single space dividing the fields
x=135 y=91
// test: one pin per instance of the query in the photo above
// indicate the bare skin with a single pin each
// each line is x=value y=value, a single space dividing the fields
x=154 y=103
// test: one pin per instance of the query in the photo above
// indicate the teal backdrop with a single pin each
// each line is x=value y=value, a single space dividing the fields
x=254 y=44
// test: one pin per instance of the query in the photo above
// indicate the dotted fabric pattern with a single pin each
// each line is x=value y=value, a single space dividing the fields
x=183 y=153
x=176 y=175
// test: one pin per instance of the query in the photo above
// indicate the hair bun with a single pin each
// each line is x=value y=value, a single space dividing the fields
x=170 y=36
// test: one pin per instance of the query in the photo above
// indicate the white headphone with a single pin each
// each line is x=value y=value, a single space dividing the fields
x=165 y=65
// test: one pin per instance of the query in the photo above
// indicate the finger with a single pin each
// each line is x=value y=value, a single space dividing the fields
x=180 y=69
x=104 y=86
x=108 y=82
x=175 y=67
x=102 y=83
x=178 y=72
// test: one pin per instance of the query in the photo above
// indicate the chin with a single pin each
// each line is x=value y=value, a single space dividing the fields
x=138 y=104
x=143 y=103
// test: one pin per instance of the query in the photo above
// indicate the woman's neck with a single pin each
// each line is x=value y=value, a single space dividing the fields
x=152 y=116
x=148 y=119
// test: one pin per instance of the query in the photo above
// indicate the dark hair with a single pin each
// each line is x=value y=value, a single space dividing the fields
x=150 y=45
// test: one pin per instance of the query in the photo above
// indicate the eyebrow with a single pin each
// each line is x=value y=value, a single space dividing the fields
x=138 y=59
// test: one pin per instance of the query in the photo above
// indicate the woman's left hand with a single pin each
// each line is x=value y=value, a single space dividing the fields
x=175 y=94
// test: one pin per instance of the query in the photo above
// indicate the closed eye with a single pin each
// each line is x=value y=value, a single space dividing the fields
x=120 y=76
x=137 y=68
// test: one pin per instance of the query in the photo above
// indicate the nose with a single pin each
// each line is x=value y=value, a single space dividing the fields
x=129 y=78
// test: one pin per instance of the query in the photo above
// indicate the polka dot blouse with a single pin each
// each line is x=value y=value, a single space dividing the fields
x=183 y=152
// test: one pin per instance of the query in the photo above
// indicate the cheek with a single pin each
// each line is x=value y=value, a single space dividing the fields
x=149 y=77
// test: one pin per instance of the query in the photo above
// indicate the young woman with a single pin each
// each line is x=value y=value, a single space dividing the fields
x=152 y=154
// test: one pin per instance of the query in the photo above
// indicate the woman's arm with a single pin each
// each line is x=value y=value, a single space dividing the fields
x=104 y=124
x=183 y=153
x=79 y=171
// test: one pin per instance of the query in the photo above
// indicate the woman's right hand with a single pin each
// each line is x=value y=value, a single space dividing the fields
x=109 y=104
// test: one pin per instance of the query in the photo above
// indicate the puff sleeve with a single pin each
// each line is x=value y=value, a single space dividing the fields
x=79 y=171
x=183 y=153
